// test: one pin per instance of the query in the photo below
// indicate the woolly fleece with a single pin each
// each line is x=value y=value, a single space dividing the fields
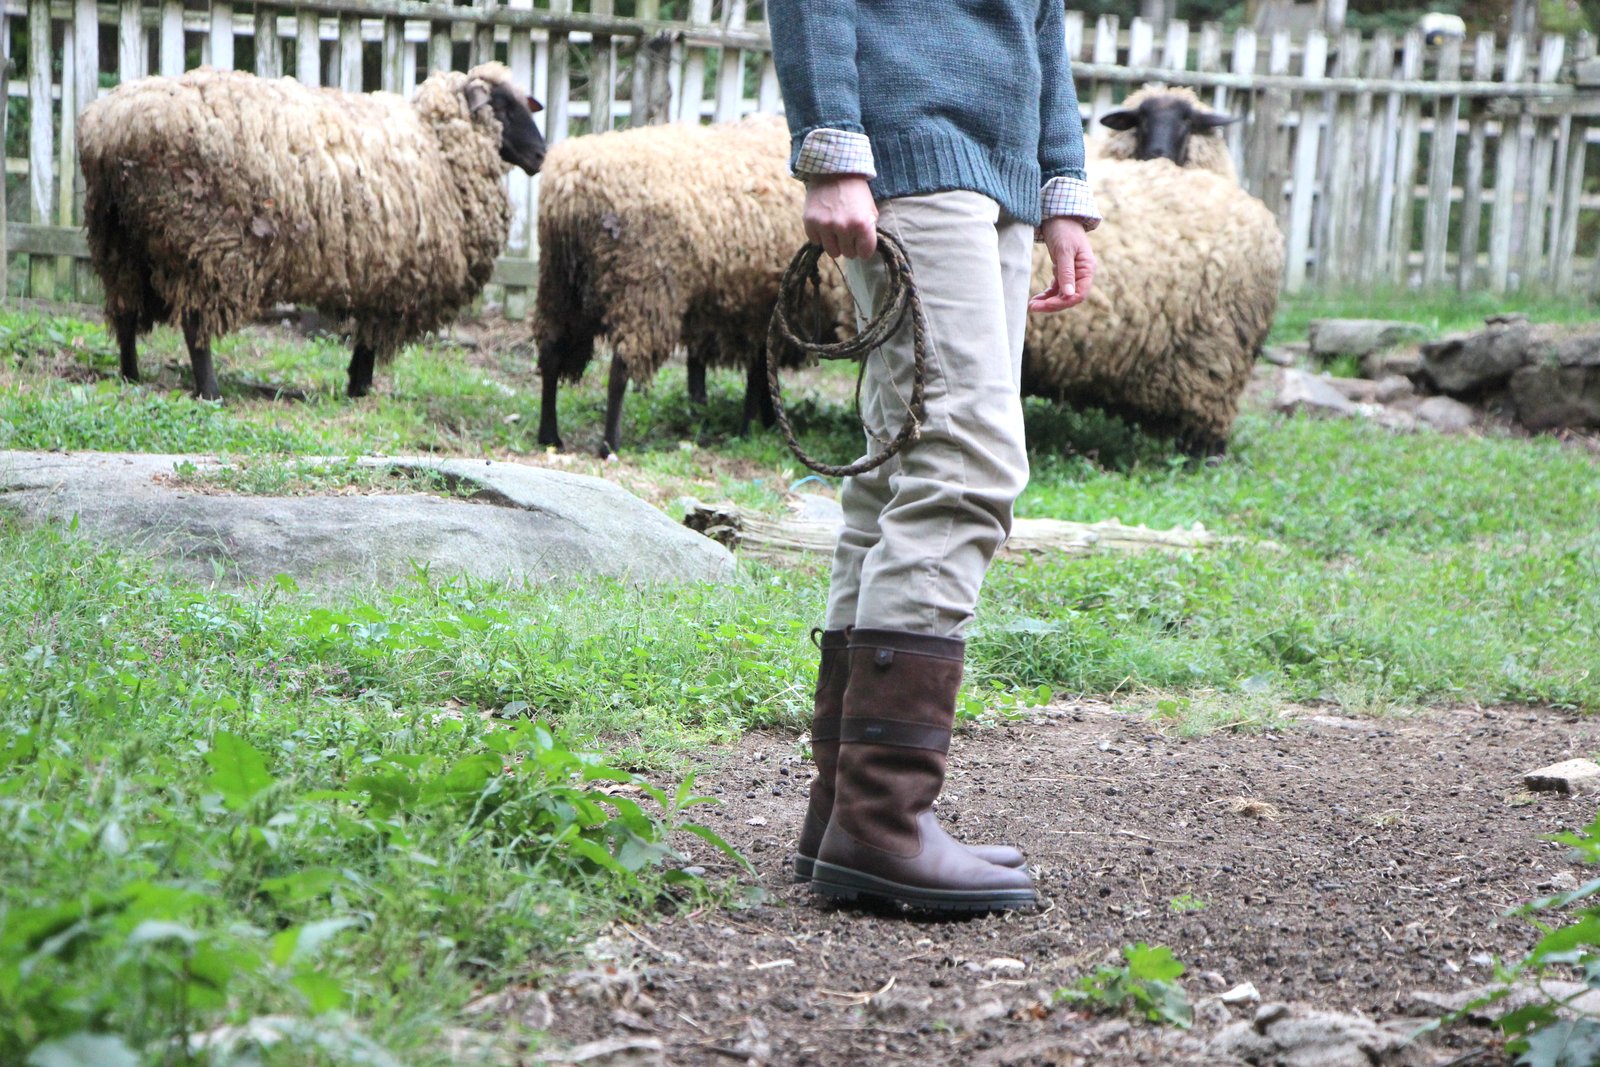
x=218 y=194
x=665 y=235
x=1189 y=271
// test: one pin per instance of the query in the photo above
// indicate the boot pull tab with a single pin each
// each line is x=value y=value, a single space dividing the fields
x=816 y=637
x=883 y=657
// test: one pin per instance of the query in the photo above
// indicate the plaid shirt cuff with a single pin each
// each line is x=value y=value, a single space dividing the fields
x=1071 y=197
x=829 y=151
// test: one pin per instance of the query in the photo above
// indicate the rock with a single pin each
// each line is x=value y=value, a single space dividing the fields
x=1299 y=391
x=1569 y=776
x=1578 y=998
x=1446 y=415
x=1405 y=362
x=1283 y=1035
x=1550 y=396
x=1331 y=338
x=1285 y=355
x=1360 y=390
x=1393 y=387
x=1468 y=364
x=529 y=525
x=1243 y=993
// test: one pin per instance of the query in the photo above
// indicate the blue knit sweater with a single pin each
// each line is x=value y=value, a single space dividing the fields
x=953 y=94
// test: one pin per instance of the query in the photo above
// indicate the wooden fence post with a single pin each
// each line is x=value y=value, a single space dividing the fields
x=269 y=55
x=1472 y=180
x=1551 y=51
x=219 y=43
x=1105 y=52
x=1505 y=170
x=730 y=71
x=1302 y=193
x=1405 y=173
x=41 y=143
x=130 y=42
x=556 y=110
x=692 y=84
x=1441 y=169
x=1339 y=209
x=350 y=53
x=602 y=75
x=1377 y=183
x=307 y=48
x=1243 y=62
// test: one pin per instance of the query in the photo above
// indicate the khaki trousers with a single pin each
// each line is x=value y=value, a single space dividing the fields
x=920 y=530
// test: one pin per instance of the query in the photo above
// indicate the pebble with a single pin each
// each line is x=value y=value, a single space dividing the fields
x=1568 y=776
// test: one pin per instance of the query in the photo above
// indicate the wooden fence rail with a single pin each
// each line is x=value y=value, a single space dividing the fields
x=1387 y=162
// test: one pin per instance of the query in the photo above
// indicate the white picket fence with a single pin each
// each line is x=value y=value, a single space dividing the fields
x=1387 y=162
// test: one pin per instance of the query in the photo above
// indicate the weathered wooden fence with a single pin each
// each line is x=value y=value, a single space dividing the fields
x=1387 y=161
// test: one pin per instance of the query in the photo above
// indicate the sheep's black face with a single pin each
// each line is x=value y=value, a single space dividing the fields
x=1164 y=125
x=521 y=143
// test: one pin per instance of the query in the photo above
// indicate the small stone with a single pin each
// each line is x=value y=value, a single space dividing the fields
x=1446 y=415
x=1404 y=362
x=1281 y=355
x=756 y=820
x=1568 y=776
x=1393 y=387
x=1243 y=993
x=1299 y=391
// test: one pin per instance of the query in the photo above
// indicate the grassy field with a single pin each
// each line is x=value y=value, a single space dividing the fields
x=358 y=814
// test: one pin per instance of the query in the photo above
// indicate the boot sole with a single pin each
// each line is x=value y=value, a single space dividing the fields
x=803 y=868
x=845 y=884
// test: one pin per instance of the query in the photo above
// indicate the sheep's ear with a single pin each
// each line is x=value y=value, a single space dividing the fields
x=1211 y=120
x=1120 y=120
x=534 y=105
x=477 y=95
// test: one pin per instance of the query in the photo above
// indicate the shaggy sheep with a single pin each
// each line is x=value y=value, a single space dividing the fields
x=212 y=196
x=1187 y=285
x=661 y=236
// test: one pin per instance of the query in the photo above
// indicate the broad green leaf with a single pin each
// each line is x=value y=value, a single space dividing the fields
x=84 y=1050
x=1152 y=964
x=238 y=770
x=156 y=931
x=1564 y=1043
x=322 y=993
x=304 y=942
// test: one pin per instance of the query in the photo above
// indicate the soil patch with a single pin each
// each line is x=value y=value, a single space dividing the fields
x=1338 y=862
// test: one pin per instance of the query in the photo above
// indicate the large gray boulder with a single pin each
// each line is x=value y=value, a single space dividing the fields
x=1468 y=365
x=1332 y=338
x=523 y=525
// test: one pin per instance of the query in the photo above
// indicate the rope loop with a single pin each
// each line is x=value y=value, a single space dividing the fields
x=900 y=299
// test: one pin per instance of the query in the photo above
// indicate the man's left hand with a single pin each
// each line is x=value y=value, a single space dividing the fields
x=1068 y=244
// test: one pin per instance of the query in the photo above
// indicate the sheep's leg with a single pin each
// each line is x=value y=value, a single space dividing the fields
x=616 y=389
x=548 y=433
x=362 y=358
x=757 y=397
x=205 y=375
x=127 y=329
x=697 y=381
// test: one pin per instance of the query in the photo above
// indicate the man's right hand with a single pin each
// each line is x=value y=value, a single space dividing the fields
x=841 y=216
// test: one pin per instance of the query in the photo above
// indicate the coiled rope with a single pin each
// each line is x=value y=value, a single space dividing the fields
x=900 y=299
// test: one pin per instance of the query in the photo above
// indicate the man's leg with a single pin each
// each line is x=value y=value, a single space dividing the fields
x=948 y=508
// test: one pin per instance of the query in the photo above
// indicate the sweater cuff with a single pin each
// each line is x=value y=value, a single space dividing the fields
x=829 y=151
x=1071 y=197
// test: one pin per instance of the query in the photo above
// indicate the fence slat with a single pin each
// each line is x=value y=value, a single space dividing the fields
x=1340 y=166
x=41 y=143
x=392 y=73
x=350 y=53
x=1541 y=134
x=308 y=48
x=556 y=103
x=730 y=72
x=482 y=50
x=524 y=205
x=130 y=42
x=1441 y=170
x=1141 y=43
x=219 y=42
x=1175 y=49
x=692 y=82
x=1302 y=193
x=85 y=87
x=1105 y=51
x=1405 y=173
x=1505 y=169
x=441 y=46
x=1566 y=244
x=1244 y=62
x=1074 y=35
x=172 y=53
x=602 y=66
x=1472 y=179
x=1377 y=189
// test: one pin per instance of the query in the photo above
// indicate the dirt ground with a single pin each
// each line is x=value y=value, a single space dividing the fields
x=1340 y=863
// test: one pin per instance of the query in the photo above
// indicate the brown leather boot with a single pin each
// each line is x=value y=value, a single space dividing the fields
x=833 y=673
x=883 y=840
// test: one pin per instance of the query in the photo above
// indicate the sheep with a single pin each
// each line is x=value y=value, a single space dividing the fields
x=212 y=196
x=661 y=236
x=1187 y=285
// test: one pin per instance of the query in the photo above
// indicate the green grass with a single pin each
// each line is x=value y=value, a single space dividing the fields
x=1442 y=312
x=301 y=793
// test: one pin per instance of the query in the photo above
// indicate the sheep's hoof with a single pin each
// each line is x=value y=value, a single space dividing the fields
x=552 y=443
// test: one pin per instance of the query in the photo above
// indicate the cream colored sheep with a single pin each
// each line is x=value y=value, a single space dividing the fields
x=213 y=196
x=1190 y=266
